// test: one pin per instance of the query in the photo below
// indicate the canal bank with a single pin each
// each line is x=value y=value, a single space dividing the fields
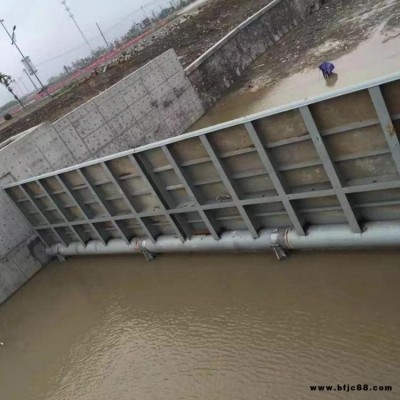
x=361 y=38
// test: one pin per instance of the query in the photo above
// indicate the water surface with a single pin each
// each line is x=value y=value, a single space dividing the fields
x=203 y=327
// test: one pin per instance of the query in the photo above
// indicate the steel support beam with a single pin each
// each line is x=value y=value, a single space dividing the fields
x=81 y=207
x=20 y=207
x=276 y=178
x=192 y=191
x=162 y=196
x=228 y=204
x=229 y=185
x=94 y=191
x=37 y=208
x=147 y=229
x=386 y=124
x=329 y=168
x=59 y=209
x=369 y=187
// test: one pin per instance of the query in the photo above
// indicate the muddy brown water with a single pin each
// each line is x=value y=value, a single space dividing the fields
x=204 y=327
x=374 y=58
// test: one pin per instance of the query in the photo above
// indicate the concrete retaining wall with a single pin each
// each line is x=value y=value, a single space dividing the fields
x=218 y=68
x=153 y=103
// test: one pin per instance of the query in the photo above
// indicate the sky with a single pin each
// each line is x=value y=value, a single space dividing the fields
x=49 y=37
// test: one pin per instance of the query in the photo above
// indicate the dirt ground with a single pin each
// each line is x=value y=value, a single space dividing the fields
x=335 y=30
x=190 y=39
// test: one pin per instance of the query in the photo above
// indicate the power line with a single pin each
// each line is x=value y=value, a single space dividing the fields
x=102 y=31
x=137 y=11
x=62 y=54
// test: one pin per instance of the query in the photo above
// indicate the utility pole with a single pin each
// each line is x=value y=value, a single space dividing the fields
x=32 y=81
x=68 y=10
x=102 y=34
x=13 y=42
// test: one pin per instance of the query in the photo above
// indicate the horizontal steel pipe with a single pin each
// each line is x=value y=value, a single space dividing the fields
x=229 y=242
x=374 y=235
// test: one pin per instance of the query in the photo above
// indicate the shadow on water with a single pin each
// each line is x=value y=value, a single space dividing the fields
x=332 y=80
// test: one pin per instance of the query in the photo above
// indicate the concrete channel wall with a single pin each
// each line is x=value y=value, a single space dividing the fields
x=218 y=68
x=153 y=103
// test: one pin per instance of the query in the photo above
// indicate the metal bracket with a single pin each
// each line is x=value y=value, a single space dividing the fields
x=279 y=252
x=148 y=255
x=276 y=245
x=60 y=258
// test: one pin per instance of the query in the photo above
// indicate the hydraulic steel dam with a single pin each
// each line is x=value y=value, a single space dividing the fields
x=318 y=174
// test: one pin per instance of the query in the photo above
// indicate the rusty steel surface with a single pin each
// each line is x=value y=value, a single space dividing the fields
x=329 y=160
